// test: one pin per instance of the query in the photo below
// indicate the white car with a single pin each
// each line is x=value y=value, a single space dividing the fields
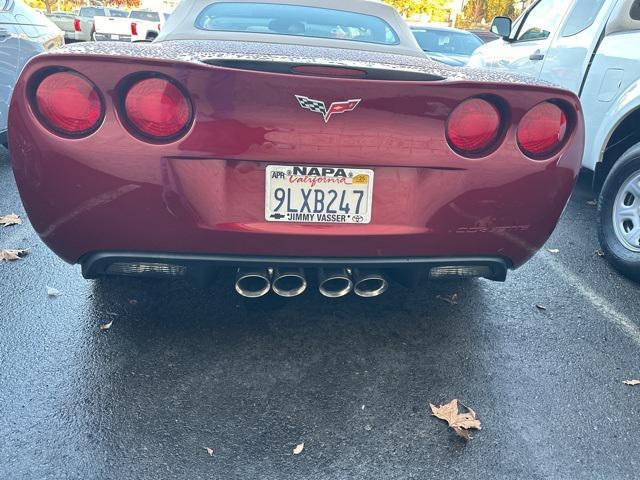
x=146 y=25
x=591 y=48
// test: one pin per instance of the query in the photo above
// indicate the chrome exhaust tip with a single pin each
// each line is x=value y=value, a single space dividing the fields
x=334 y=282
x=253 y=283
x=289 y=282
x=369 y=283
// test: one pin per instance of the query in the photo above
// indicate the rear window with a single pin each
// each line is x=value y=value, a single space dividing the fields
x=296 y=20
x=118 y=13
x=582 y=16
x=148 y=16
x=635 y=11
x=446 y=42
x=91 y=12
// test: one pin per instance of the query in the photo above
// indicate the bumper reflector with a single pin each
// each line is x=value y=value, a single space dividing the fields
x=149 y=269
x=460 y=271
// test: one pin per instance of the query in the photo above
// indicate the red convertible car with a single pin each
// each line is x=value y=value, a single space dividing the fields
x=291 y=143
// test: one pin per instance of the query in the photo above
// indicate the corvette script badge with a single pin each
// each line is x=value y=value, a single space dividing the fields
x=318 y=106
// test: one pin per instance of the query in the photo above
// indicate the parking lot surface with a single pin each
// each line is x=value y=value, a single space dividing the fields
x=541 y=359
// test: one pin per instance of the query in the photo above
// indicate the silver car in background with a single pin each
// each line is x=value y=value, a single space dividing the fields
x=23 y=34
x=65 y=22
x=447 y=45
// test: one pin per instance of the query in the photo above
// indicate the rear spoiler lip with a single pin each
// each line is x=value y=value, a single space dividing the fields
x=197 y=52
x=286 y=67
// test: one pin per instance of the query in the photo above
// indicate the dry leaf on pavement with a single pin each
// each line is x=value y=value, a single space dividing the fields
x=106 y=326
x=600 y=252
x=553 y=250
x=592 y=203
x=8 y=220
x=459 y=422
x=11 y=255
x=299 y=448
x=632 y=382
x=209 y=451
x=450 y=299
x=53 y=292
x=541 y=307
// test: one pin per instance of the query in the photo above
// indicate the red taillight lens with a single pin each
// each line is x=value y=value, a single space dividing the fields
x=157 y=108
x=473 y=127
x=76 y=25
x=543 y=130
x=68 y=103
x=134 y=28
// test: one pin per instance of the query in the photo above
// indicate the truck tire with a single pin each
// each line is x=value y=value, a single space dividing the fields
x=619 y=214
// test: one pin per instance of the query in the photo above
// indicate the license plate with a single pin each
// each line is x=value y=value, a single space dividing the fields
x=115 y=37
x=318 y=194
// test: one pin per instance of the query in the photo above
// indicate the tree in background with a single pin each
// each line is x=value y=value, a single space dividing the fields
x=437 y=10
x=476 y=12
x=74 y=5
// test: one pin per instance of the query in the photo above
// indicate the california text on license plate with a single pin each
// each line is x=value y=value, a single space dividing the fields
x=318 y=194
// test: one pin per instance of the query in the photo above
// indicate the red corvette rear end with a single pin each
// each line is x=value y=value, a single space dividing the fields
x=151 y=166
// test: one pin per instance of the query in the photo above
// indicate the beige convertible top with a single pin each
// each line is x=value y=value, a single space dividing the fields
x=181 y=26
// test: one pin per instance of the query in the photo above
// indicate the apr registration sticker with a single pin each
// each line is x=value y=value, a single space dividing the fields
x=318 y=194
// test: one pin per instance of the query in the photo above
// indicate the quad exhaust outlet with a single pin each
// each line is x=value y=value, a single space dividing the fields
x=289 y=282
x=253 y=283
x=369 y=283
x=334 y=282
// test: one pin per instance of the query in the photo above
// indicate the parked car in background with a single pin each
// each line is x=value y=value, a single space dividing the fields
x=146 y=25
x=115 y=27
x=23 y=34
x=84 y=23
x=485 y=35
x=289 y=143
x=65 y=22
x=447 y=45
x=590 y=48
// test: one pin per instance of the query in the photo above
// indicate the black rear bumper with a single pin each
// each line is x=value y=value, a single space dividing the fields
x=407 y=270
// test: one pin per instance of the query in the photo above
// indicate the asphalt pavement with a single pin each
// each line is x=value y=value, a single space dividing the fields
x=541 y=359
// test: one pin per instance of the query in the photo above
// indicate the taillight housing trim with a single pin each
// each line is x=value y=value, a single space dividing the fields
x=501 y=109
x=123 y=90
x=570 y=126
x=32 y=88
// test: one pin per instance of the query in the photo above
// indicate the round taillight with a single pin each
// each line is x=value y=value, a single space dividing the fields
x=157 y=108
x=473 y=127
x=543 y=130
x=68 y=103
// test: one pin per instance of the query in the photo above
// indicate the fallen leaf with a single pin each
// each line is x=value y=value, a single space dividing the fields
x=450 y=299
x=632 y=382
x=553 y=250
x=52 y=292
x=592 y=203
x=106 y=326
x=8 y=220
x=541 y=307
x=209 y=451
x=600 y=252
x=459 y=422
x=12 y=255
x=299 y=448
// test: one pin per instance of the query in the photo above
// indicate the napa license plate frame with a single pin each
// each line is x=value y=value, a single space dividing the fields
x=310 y=194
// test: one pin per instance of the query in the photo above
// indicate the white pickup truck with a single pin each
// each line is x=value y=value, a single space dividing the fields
x=146 y=25
x=135 y=26
x=115 y=27
x=591 y=47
